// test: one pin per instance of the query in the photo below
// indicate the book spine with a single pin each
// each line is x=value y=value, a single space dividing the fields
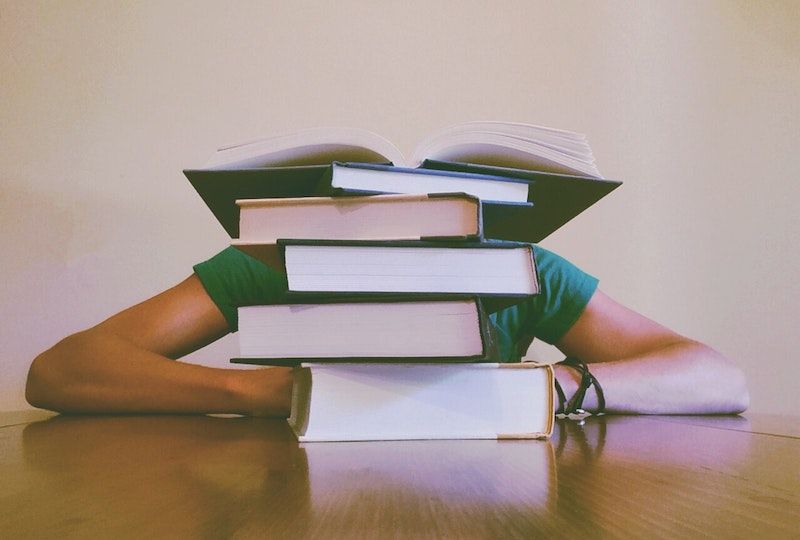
x=521 y=436
x=491 y=349
x=324 y=187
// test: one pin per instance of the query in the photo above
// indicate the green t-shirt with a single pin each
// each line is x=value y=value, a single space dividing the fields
x=233 y=279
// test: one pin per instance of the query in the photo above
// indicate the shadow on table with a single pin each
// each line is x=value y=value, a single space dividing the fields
x=246 y=477
x=634 y=476
x=162 y=475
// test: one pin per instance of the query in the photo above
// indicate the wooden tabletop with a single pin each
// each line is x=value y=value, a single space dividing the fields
x=213 y=477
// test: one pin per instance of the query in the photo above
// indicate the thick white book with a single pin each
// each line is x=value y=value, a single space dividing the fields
x=379 y=217
x=440 y=330
x=347 y=267
x=363 y=402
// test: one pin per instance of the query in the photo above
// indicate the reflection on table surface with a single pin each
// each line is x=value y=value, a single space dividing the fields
x=200 y=476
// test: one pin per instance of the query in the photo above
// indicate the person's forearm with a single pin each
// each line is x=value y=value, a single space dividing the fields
x=683 y=378
x=94 y=372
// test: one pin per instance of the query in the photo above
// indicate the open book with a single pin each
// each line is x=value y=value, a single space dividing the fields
x=500 y=144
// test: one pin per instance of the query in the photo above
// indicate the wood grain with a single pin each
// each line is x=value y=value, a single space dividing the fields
x=208 y=477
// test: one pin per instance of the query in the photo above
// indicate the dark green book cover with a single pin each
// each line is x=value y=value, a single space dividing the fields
x=220 y=189
x=553 y=199
x=557 y=199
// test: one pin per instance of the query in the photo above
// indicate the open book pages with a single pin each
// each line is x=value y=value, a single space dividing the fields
x=503 y=144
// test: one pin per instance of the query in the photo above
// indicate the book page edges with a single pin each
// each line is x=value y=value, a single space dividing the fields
x=303 y=388
x=548 y=429
x=324 y=145
x=521 y=436
x=383 y=198
x=535 y=271
x=301 y=401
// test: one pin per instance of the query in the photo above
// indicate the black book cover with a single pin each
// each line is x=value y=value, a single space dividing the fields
x=553 y=199
x=220 y=189
x=558 y=198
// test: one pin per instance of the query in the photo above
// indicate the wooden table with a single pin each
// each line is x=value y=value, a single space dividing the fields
x=212 y=477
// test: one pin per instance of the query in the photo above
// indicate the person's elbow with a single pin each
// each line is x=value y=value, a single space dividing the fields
x=728 y=384
x=739 y=392
x=41 y=386
x=49 y=374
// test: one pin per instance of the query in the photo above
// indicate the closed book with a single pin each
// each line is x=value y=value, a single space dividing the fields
x=393 y=401
x=450 y=330
x=349 y=267
x=364 y=178
x=380 y=217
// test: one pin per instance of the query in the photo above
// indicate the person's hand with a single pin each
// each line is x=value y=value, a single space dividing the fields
x=267 y=391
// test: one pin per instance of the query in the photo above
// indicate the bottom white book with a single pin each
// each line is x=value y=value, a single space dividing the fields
x=394 y=401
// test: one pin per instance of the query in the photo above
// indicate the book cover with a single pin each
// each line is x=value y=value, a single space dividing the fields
x=220 y=189
x=551 y=199
x=558 y=198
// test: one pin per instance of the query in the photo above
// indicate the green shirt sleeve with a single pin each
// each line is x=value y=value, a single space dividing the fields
x=232 y=279
x=565 y=290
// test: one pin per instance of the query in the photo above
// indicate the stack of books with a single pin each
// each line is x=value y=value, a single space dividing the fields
x=393 y=267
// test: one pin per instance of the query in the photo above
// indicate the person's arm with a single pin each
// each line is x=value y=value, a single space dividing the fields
x=645 y=368
x=126 y=364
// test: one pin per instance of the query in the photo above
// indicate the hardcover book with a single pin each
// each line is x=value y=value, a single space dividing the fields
x=346 y=267
x=450 y=330
x=361 y=402
x=379 y=217
x=370 y=178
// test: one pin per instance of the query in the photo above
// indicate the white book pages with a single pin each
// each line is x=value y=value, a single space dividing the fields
x=428 y=401
x=316 y=146
x=526 y=146
x=405 y=269
x=379 y=217
x=361 y=329
x=400 y=182
x=571 y=143
x=497 y=150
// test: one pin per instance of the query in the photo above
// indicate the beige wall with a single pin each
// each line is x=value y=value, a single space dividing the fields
x=693 y=104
